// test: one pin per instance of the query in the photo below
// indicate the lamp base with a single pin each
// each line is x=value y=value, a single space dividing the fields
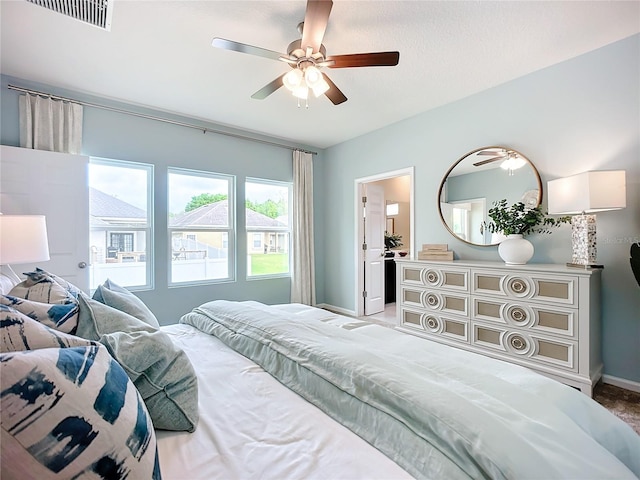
x=583 y=240
x=588 y=266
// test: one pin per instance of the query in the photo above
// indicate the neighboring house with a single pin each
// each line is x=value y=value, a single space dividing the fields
x=115 y=236
x=263 y=235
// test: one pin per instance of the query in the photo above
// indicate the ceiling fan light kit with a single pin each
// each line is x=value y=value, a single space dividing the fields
x=511 y=160
x=307 y=56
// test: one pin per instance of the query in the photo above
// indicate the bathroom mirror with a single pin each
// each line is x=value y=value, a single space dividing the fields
x=478 y=179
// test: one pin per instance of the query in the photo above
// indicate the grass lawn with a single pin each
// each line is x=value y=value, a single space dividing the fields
x=269 y=264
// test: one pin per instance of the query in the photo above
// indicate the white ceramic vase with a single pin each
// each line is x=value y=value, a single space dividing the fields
x=515 y=250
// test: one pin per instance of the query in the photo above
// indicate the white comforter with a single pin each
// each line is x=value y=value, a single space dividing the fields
x=252 y=427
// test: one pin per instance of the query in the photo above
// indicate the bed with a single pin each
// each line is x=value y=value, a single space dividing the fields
x=252 y=426
x=242 y=390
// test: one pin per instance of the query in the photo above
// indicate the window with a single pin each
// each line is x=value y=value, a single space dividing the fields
x=120 y=223
x=200 y=226
x=268 y=227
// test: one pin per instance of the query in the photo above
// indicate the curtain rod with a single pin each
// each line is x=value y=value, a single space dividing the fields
x=159 y=119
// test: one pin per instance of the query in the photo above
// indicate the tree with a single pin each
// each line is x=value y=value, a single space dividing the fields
x=204 y=199
x=269 y=208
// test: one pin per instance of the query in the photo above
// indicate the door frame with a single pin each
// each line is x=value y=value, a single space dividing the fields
x=359 y=228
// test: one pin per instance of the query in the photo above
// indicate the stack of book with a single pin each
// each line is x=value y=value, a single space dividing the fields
x=435 y=251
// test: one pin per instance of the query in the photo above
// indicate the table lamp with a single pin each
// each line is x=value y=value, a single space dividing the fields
x=23 y=239
x=583 y=195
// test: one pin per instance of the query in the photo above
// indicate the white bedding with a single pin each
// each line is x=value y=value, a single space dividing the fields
x=251 y=426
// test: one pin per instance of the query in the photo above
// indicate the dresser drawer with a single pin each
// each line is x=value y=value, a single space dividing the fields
x=439 y=300
x=434 y=324
x=439 y=277
x=559 y=290
x=554 y=320
x=542 y=316
x=526 y=346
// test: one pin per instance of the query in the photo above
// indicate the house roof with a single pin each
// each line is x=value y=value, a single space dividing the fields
x=105 y=206
x=217 y=214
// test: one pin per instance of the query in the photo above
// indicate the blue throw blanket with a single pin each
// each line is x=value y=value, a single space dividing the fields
x=437 y=411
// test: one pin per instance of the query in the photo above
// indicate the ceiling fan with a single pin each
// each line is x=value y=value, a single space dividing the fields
x=511 y=157
x=306 y=56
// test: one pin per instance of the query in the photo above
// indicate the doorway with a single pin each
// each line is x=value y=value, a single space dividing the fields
x=398 y=190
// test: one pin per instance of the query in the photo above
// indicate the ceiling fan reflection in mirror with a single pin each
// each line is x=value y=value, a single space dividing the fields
x=307 y=56
x=511 y=160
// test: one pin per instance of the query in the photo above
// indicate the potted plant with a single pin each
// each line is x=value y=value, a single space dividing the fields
x=515 y=222
x=391 y=240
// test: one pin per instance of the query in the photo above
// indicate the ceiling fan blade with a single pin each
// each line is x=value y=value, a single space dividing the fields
x=268 y=89
x=244 y=48
x=488 y=160
x=376 y=59
x=334 y=94
x=315 y=23
x=492 y=152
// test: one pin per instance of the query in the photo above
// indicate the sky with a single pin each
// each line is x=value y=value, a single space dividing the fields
x=130 y=185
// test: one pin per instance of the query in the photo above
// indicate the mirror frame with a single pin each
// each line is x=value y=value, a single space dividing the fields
x=446 y=176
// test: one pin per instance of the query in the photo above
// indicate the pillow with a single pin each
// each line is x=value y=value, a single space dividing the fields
x=41 y=289
x=38 y=274
x=161 y=372
x=71 y=413
x=122 y=299
x=19 y=332
x=61 y=316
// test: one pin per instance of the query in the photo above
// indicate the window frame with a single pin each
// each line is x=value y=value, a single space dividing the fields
x=230 y=241
x=148 y=230
x=275 y=231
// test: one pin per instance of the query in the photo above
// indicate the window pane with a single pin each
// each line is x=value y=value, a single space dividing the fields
x=200 y=226
x=200 y=255
x=267 y=219
x=120 y=223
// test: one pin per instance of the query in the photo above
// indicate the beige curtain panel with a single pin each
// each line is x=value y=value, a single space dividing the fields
x=47 y=124
x=303 y=284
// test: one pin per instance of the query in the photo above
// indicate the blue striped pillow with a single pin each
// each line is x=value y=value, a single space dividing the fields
x=68 y=412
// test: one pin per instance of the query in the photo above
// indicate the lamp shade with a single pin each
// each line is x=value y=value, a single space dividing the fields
x=23 y=239
x=587 y=192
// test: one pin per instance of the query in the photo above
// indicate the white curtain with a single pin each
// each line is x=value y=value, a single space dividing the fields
x=47 y=124
x=303 y=284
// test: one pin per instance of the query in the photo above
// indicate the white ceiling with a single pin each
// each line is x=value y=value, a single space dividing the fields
x=159 y=54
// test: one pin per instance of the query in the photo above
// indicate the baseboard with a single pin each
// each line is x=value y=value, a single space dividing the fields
x=622 y=383
x=340 y=310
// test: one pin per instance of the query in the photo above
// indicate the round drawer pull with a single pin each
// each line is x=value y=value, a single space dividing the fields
x=518 y=314
x=432 y=323
x=518 y=343
x=432 y=277
x=518 y=286
x=432 y=300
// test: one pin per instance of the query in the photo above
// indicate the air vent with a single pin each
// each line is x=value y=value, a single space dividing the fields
x=95 y=12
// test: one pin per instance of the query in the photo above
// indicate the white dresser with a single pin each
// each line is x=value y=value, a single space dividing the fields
x=545 y=317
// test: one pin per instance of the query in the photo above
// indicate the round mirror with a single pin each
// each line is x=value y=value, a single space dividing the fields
x=478 y=179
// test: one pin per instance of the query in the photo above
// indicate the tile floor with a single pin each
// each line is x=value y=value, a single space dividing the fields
x=388 y=316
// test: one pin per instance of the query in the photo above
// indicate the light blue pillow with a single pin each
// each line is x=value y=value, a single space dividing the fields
x=122 y=299
x=161 y=372
x=73 y=413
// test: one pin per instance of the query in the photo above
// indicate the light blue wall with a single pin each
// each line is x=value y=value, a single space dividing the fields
x=582 y=114
x=118 y=136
